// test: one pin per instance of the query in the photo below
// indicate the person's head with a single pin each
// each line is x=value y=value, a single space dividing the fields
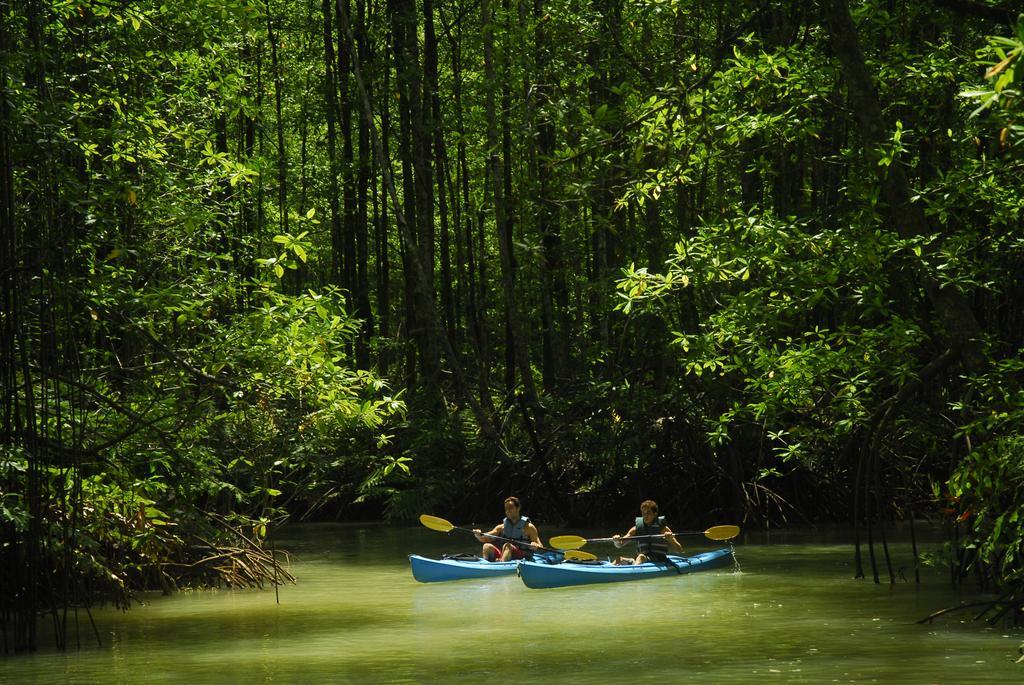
x=512 y=507
x=649 y=510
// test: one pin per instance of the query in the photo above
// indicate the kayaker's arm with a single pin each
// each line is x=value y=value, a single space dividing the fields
x=672 y=541
x=534 y=535
x=489 y=535
x=618 y=539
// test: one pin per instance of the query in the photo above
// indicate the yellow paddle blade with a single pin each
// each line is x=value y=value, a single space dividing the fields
x=567 y=542
x=722 y=532
x=576 y=555
x=435 y=523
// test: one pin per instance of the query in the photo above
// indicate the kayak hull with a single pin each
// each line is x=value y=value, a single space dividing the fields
x=563 y=575
x=436 y=570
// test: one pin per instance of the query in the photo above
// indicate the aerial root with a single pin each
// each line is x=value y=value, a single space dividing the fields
x=1010 y=602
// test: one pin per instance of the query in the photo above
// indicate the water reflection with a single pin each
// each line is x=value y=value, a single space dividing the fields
x=357 y=616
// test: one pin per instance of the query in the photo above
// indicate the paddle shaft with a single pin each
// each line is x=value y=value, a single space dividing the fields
x=575 y=541
x=641 y=537
x=518 y=543
x=443 y=526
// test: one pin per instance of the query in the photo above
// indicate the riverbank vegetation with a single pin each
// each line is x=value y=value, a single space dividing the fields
x=761 y=261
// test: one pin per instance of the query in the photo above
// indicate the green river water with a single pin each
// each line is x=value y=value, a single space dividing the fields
x=792 y=614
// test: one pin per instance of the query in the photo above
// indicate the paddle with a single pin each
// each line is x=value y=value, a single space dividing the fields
x=439 y=524
x=575 y=541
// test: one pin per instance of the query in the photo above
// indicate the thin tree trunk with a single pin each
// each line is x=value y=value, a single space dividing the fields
x=330 y=111
x=531 y=407
x=431 y=94
x=247 y=218
x=348 y=189
x=382 y=242
x=473 y=277
x=415 y=150
x=554 y=293
x=260 y=148
x=950 y=305
x=282 y=156
x=503 y=185
x=419 y=273
x=406 y=242
x=18 y=560
x=362 y=286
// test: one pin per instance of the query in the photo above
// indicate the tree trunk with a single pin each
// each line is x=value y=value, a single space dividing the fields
x=362 y=285
x=415 y=150
x=950 y=305
x=472 y=261
x=330 y=111
x=348 y=189
x=436 y=128
x=382 y=244
x=248 y=214
x=282 y=156
x=530 y=403
x=420 y=274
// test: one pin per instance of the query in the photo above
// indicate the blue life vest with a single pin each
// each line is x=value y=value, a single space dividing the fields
x=515 y=531
x=656 y=548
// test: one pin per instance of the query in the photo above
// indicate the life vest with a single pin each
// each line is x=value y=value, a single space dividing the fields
x=656 y=546
x=515 y=531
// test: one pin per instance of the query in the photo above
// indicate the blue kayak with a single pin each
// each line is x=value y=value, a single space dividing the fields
x=573 y=573
x=462 y=566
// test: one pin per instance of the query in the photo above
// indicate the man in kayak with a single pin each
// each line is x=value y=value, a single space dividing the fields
x=649 y=548
x=515 y=527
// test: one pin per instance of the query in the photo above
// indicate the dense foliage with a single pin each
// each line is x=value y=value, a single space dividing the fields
x=760 y=261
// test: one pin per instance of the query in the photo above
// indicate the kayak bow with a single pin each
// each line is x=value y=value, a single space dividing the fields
x=434 y=570
x=464 y=566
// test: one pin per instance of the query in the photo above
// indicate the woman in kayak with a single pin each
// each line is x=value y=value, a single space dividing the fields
x=649 y=548
x=514 y=527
